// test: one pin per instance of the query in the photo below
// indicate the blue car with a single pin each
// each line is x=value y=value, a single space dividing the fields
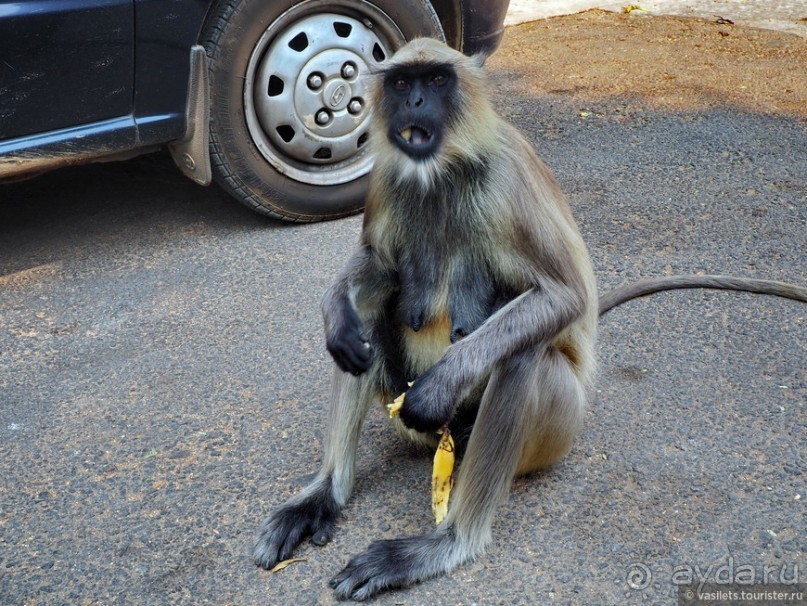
x=265 y=97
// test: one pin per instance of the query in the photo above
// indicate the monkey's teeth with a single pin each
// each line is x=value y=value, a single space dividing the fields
x=407 y=134
x=419 y=136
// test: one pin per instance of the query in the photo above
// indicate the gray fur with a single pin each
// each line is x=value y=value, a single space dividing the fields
x=643 y=288
x=472 y=279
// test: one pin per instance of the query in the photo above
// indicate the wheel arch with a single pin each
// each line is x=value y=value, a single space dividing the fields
x=276 y=194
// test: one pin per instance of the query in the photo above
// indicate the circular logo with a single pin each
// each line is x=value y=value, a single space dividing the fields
x=339 y=93
x=336 y=94
x=639 y=576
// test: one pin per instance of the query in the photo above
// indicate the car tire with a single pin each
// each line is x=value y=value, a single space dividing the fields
x=289 y=111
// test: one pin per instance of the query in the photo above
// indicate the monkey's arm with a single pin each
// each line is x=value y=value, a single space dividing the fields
x=532 y=319
x=359 y=291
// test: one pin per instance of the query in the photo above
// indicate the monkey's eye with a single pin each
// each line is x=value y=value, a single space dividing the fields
x=400 y=84
x=439 y=79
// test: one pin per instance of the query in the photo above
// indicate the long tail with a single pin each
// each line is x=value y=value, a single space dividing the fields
x=643 y=288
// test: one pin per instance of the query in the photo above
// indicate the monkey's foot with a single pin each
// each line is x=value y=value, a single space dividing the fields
x=314 y=512
x=397 y=563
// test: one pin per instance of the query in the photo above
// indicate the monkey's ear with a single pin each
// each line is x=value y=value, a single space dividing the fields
x=479 y=59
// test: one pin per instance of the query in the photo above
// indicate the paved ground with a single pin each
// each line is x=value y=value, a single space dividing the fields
x=163 y=376
x=784 y=15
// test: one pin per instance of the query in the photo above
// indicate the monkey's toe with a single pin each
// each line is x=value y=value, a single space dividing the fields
x=369 y=573
x=322 y=536
x=276 y=541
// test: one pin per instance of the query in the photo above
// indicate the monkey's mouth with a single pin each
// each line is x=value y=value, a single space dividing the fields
x=416 y=141
x=415 y=135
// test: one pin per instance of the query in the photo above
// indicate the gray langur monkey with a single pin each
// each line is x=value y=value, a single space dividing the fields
x=472 y=280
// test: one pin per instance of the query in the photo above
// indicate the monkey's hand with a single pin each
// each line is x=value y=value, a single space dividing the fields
x=347 y=345
x=431 y=401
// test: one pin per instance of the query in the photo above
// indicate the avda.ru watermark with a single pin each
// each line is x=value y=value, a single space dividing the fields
x=639 y=576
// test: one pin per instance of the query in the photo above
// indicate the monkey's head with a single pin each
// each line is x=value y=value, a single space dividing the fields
x=431 y=108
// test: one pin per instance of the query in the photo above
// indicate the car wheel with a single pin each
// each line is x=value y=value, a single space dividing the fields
x=289 y=98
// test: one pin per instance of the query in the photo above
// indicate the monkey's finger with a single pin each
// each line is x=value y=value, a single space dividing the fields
x=363 y=355
x=354 y=358
x=266 y=545
x=358 y=359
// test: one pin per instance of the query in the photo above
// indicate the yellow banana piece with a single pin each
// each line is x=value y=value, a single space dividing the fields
x=394 y=409
x=442 y=479
x=443 y=469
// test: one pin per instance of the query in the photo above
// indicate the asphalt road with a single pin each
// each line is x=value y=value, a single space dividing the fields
x=163 y=382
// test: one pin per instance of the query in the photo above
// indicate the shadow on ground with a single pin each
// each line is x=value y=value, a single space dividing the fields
x=163 y=380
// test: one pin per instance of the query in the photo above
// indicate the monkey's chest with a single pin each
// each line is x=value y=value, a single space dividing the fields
x=422 y=348
x=442 y=297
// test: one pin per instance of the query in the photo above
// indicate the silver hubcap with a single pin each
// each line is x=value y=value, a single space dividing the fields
x=306 y=96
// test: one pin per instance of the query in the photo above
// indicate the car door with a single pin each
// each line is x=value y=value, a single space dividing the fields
x=64 y=63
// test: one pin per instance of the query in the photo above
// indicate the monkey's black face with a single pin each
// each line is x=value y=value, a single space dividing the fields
x=417 y=104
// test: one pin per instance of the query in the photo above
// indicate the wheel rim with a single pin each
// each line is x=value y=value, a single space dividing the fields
x=306 y=92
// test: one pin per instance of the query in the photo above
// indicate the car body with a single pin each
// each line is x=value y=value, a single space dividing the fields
x=83 y=80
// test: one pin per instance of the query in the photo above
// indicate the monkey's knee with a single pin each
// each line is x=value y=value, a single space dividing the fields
x=556 y=415
x=542 y=453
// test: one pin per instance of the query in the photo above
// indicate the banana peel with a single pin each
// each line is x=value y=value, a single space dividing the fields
x=442 y=478
x=443 y=468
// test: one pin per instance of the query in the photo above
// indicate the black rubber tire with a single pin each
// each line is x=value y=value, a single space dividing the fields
x=229 y=37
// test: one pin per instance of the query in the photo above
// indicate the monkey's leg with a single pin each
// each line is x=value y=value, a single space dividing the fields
x=532 y=398
x=314 y=510
x=557 y=417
